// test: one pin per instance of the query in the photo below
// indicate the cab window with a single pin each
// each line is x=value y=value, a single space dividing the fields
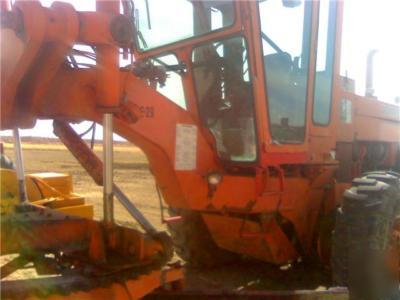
x=160 y=22
x=324 y=65
x=168 y=81
x=285 y=34
x=225 y=98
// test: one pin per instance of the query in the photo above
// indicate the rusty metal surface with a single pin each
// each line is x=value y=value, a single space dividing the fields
x=81 y=259
x=78 y=148
x=331 y=294
x=67 y=285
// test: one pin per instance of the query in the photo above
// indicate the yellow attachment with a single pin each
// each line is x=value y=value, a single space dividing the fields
x=59 y=181
x=52 y=190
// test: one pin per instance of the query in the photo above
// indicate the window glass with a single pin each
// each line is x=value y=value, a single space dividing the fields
x=224 y=92
x=161 y=22
x=285 y=33
x=169 y=69
x=324 y=65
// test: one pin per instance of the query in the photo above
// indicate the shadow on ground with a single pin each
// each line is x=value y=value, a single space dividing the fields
x=255 y=275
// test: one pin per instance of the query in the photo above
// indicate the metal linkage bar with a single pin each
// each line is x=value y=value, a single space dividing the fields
x=19 y=165
x=133 y=211
x=108 y=202
x=93 y=165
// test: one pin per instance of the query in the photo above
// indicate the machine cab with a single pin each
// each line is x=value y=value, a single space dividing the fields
x=259 y=75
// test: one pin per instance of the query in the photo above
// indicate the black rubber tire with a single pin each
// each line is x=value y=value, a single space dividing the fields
x=340 y=250
x=361 y=237
x=193 y=242
x=396 y=166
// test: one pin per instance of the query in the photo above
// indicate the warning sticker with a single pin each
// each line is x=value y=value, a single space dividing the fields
x=185 y=147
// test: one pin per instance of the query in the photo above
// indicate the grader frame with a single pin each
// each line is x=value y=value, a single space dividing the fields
x=259 y=192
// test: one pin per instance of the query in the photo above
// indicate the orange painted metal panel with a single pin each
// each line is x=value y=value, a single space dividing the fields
x=264 y=241
x=370 y=120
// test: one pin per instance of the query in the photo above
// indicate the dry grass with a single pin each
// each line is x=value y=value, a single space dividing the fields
x=131 y=175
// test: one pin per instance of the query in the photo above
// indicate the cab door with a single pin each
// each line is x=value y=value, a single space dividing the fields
x=284 y=32
x=326 y=70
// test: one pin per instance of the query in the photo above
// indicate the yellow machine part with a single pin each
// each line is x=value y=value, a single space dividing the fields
x=52 y=190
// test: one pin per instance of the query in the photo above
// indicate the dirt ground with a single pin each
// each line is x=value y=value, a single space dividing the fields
x=134 y=178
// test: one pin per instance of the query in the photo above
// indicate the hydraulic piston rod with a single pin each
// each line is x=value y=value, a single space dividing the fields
x=108 y=201
x=108 y=88
x=93 y=165
x=19 y=165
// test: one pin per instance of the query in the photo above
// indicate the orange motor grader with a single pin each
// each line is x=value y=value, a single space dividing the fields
x=258 y=146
